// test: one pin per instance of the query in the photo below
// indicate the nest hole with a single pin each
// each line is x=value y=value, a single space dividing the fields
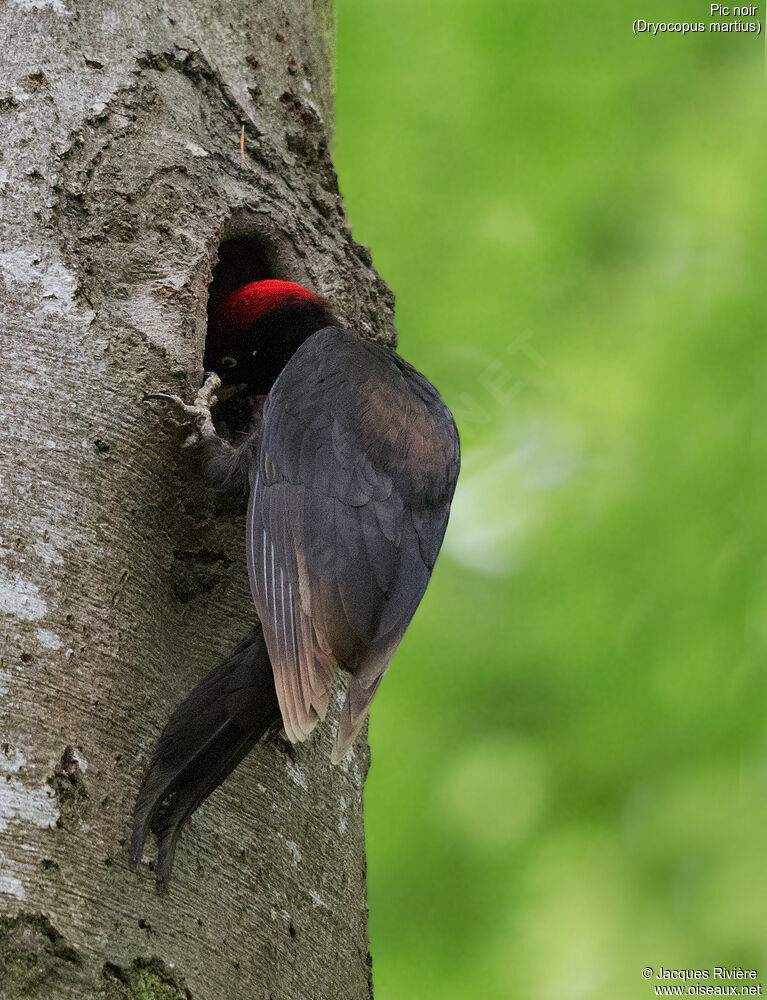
x=246 y=254
x=241 y=259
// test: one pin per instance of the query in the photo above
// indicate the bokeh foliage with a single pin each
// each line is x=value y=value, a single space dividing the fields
x=569 y=774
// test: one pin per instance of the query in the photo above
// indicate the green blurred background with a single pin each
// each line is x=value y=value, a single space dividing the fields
x=569 y=775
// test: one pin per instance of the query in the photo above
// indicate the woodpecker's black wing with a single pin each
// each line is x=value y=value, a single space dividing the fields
x=357 y=466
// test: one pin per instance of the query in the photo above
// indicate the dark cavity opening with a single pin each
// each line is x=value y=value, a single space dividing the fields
x=241 y=259
x=245 y=256
x=254 y=249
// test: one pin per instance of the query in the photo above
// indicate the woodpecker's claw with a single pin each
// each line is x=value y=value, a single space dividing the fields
x=164 y=396
x=198 y=411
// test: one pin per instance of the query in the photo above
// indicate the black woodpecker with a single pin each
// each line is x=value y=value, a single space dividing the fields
x=350 y=464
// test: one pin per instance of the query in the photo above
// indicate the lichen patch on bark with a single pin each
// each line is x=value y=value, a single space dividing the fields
x=144 y=979
x=22 y=800
x=20 y=598
x=34 y=957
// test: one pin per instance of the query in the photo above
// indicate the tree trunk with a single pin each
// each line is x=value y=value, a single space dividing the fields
x=122 y=581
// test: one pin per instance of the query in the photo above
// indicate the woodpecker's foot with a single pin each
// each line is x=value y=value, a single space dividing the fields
x=198 y=412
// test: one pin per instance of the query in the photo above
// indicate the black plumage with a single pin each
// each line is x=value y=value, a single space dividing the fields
x=356 y=468
x=351 y=469
x=204 y=740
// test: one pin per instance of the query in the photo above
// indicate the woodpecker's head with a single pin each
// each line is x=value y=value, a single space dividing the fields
x=254 y=331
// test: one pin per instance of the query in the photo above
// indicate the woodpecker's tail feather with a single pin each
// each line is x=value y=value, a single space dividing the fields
x=352 y=717
x=205 y=739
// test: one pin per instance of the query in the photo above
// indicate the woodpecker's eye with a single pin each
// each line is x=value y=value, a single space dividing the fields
x=228 y=362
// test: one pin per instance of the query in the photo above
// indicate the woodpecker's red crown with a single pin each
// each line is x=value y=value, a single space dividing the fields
x=248 y=304
x=254 y=330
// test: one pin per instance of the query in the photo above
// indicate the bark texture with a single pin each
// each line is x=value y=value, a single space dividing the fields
x=122 y=581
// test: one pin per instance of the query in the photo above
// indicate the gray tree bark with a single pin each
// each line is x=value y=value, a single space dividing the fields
x=122 y=582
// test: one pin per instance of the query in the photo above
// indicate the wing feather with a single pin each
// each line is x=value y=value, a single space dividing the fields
x=344 y=522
